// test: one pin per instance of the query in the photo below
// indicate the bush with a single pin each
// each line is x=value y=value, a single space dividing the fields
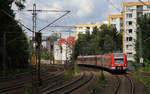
x=146 y=66
x=76 y=69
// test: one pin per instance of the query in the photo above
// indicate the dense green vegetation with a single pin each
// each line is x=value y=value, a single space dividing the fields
x=144 y=28
x=16 y=51
x=46 y=54
x=105 y=39
x=144 y=80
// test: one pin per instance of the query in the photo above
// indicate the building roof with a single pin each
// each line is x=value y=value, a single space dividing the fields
x=69 y=41
x=88 y=25
x=61 y=41
x=115 y=16
x=135 y=3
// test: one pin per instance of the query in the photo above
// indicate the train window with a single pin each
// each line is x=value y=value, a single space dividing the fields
x=119 y=61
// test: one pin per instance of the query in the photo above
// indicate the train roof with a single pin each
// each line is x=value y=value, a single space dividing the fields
x=109 y=54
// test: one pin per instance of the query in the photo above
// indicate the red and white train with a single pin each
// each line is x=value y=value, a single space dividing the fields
x=113 y=61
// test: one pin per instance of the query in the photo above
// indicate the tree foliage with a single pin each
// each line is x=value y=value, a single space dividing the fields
x=144 y=28
x=46 y=54
x=105 y=39
x=16 y=51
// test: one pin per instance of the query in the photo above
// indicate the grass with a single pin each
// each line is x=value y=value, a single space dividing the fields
x=144 y=68
x=28 y=88
x=76 y=69
x=96 y=88
x=144 y=80
x=68 y=75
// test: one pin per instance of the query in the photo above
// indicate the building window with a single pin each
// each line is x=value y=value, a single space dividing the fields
x=121 y=28
x=87 y=27
x=130 y=30
x=129 y=15
x=129 y=38
x=129 y=47
x=113 y=19
x=121 y=21
x=128 y=7
x=129 y=54
x=139 y=14
x=80 y=28
x=147 y=14
x=139 y=8
x=148 y=7
x=129 y=23
x=113 y=25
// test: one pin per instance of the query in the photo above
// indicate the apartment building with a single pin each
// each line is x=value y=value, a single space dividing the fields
x=116 y=21
x=131 y=11
x=83 y=28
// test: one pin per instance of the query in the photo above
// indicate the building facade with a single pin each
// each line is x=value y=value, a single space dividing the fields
x=131 y=11
x=63 y=50
x=51 y=39
x=82 y=29
x=116 y=21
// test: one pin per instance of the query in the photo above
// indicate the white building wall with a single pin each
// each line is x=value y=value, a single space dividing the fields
x=57 y=51
x=129 y=47
x=116 y=22
x=66 y=52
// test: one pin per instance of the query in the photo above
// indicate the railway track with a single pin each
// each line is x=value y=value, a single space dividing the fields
x=73 y=85
x=51 y=81
x=132 y=85
x=19 y=83
x=118 y=85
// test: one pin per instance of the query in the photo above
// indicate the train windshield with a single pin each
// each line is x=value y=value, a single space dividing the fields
x=119 y=61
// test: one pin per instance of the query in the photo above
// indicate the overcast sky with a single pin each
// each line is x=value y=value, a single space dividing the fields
x=82 y=12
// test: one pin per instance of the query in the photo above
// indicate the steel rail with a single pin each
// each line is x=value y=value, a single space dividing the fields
x=21 y=84
x=132 y=84
x=65 y=85
x=118 y=85
x=80 y=85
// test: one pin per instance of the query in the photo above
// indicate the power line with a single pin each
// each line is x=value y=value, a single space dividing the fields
x=142 y=2
x=6 y=13
x=54 y=21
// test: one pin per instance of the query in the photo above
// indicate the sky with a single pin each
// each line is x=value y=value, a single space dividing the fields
x=82 y=12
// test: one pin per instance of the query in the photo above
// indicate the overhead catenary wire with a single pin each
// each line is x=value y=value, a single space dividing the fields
x=6 y=13
x=53 y=21
x=142 y=2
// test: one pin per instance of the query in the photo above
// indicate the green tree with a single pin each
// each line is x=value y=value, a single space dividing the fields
x=103 y=40
x=144 y=28
x=16 y=51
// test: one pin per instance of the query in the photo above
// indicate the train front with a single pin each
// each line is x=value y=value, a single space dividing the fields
x=119 y=61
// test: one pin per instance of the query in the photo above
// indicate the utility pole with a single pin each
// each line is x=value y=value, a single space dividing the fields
x=35 y=32
x=38 y=48
x=4 y=55
x=34 y=18
x=140 y=46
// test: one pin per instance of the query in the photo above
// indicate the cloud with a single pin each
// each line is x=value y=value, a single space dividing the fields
x=52 y=6
x=84 y=7
x=82 y=11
